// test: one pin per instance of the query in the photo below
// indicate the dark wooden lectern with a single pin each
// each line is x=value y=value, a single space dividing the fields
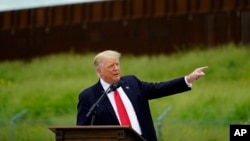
x=95 y=133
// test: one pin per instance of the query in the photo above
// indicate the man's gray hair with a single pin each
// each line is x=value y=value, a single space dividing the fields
x=105 y=55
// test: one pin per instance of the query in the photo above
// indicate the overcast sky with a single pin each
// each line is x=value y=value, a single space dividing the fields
x=7 y=5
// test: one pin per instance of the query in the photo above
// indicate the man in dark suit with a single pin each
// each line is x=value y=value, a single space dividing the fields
x=134 y=93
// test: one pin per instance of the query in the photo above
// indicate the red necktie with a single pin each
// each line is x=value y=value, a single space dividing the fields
x=121 y=109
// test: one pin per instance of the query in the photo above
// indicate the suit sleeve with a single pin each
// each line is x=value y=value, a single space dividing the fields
x=160 y=89
x=83 y=108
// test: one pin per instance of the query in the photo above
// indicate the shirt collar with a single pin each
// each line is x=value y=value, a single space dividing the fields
x=104 y=84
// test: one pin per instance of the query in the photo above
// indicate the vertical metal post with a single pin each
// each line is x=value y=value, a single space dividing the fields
x=159 y=121
x=12 y=123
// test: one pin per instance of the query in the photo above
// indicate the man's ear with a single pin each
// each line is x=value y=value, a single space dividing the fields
x=99 y=71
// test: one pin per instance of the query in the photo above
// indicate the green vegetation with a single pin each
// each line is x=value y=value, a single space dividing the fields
x=48 y=89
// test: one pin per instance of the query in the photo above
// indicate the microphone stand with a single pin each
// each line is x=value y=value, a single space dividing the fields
x=92 y=110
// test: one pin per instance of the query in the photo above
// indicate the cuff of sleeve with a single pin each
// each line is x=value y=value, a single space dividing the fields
x=188 y=84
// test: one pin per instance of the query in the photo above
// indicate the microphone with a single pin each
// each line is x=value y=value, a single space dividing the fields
x=113 y=87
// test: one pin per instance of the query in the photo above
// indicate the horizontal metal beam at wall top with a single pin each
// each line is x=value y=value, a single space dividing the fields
x=10 y=5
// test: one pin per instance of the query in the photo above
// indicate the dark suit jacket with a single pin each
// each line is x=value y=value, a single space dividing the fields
x=138 y=92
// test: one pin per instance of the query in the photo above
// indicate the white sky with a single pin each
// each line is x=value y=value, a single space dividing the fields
x=7 y=5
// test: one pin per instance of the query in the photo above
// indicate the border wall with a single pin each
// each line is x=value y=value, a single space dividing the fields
x=129 y=26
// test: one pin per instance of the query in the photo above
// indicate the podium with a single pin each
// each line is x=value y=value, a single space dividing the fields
x=95 y=133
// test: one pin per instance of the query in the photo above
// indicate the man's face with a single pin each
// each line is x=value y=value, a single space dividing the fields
x=110 y=70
